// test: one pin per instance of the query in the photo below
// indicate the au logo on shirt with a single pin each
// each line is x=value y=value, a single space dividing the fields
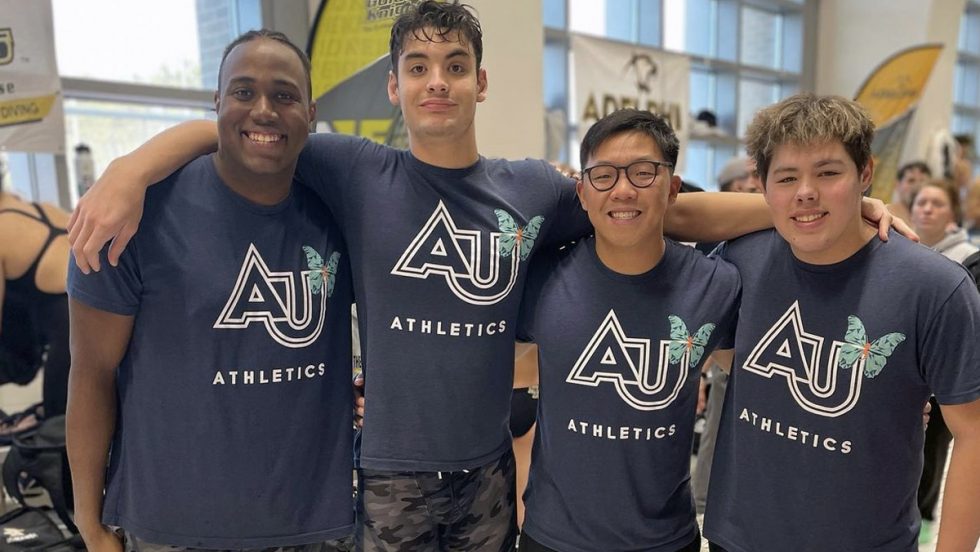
x=830 y=388
x=612 y=357
x=292 y=310
x=477 y=273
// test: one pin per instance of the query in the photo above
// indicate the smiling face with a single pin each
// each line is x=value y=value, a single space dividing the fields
x=628 y=220
x=264 y=113
x=437 y=85
x=814 y=194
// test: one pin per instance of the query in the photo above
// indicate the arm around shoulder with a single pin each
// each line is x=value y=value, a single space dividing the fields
x=112 y=209
x=716 y=216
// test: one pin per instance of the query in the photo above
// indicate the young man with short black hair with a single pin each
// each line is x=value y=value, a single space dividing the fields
x=623 y=322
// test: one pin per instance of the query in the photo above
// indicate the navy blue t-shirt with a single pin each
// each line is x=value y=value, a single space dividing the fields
x=234 y=422
x=820 y=444
x=439 y=258
x=619 y=359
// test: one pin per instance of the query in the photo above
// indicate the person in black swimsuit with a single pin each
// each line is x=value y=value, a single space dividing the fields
x=523 y=417
x=34 y=263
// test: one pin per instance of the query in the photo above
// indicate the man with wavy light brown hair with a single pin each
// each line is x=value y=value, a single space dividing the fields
x=821 y=436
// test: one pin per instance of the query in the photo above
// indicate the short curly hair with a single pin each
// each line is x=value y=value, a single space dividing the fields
x=806 y=119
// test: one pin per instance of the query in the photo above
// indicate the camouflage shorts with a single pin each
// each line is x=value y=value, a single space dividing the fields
x=132 y=543
x=469 y=510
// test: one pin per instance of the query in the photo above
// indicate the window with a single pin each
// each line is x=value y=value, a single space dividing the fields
x=32 y=177
x=112 y=129
x=966 y=77
x=164 y=64
x=745 y=54
x=761 y=33
x=752 y=96
x=147 y=42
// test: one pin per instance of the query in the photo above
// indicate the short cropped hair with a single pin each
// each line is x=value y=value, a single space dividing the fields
x=434 y=21
x=271 y=35
x=628 y=120
x=806 y=119
x=911 y=166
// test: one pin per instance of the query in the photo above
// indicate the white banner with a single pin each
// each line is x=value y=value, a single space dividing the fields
x=31 y=114
x=611 y=75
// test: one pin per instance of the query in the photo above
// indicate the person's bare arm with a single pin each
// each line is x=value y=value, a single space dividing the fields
x=525 y=365
x=959 y=526
x=359 y=400
x=723 y=358
x=113 y=207
x=98 y=342
x=709 y=217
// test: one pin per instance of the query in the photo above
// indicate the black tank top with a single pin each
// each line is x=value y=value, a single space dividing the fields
x=35 y=321
x=25 y=287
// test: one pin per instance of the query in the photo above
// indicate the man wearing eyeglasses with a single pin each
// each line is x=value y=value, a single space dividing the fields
x=622 y=320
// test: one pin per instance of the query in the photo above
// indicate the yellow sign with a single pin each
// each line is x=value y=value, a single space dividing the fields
x=349 y=55
x=897 y=84
x=349 y=34
x=890 y=95
x=25 y=110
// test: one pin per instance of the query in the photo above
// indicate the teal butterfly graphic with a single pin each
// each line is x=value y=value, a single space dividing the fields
x=857 y=346
x=681 y=341
x=319 y=270
x=514 y=237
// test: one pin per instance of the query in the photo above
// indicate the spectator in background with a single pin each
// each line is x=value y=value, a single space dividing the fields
x=732 y=172
x=936 y=217
x=911 y=177
x=963 y=163
x=971 y=214
x=739 y=175
x=34 y=332
x=935 y=210
x=752 y=184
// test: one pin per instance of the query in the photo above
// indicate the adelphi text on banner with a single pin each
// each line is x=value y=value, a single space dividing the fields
x=611 y=75
x=31 y=113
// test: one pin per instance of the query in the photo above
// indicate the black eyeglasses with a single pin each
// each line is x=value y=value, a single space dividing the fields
x=641 y=174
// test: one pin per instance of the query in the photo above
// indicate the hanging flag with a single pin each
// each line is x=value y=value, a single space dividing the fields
x=611 y=75
x=891 y=95
x=31 y=114
x=349 y=54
